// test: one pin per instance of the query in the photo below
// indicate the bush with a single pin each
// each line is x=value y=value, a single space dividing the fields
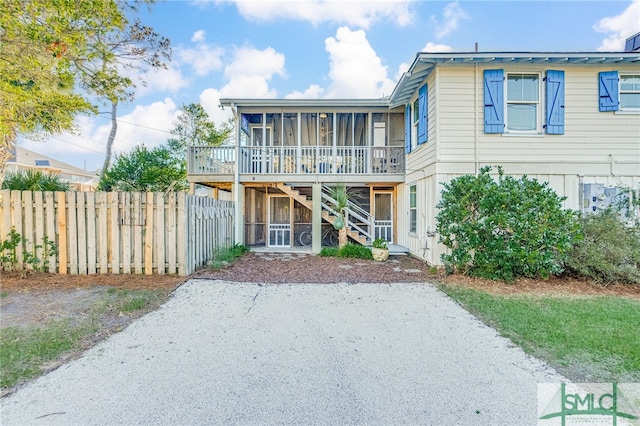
x=34 y=180
x=504 y=229
x=350 y=250
x=224 y=256
x=609 y=252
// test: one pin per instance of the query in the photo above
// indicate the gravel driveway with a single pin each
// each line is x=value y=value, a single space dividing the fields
x=241 y=353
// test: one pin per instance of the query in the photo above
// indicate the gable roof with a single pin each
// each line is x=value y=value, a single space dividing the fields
x=425 y=62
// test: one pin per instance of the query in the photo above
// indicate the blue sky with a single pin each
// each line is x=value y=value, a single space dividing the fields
x=324 y=49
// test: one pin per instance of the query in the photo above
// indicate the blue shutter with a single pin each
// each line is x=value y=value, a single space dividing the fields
x=422 y=115
x=494 y=101
x=608 y=90
x=407 y=129
x=555 y=102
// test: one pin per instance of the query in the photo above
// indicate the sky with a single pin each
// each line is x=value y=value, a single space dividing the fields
x=322 y=49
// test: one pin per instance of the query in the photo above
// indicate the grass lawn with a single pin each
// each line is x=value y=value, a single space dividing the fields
x=586 y=338
x=28 y=351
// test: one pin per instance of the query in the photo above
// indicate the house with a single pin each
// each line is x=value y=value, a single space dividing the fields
x=25 y=159
x=570 y=119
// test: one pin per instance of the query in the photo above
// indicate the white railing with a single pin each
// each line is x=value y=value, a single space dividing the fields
x=357 y=218
x=297 y=160
x=216 y=160
x=384 y=229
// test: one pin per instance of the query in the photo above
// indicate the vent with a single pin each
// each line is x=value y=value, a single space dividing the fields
x=42 y=163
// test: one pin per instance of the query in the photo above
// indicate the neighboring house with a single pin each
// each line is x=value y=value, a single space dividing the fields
x=24 y=159
x=570 y=119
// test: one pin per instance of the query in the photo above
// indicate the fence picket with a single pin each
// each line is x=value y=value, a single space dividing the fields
x=82 y=232
x=125 y=228
x=103 y=232
x=92 y=248
x=114 y=224
x=160 y=232
x=148 y=236
x=62 y=233
x=50 y=230
x=138 y=219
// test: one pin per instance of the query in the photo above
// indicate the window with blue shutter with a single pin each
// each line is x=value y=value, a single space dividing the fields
x=407 y=129
x=494 y=101
x=608 y=89
x=423 y=128
x=555 y=103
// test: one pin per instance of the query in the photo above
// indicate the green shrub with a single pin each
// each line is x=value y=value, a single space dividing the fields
x=380 y=243
x=224 y=256
x=505 y=228
x=350 y=250
x=609 y=252
x=356 y=251
x=329 y=252
x=34 y=180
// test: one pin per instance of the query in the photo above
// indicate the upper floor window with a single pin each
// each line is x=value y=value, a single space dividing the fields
x=523 y=102
x=630 y=92
x=520 y=103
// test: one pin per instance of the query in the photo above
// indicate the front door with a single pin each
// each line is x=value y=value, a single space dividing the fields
x=279 y=221
x=383 y=215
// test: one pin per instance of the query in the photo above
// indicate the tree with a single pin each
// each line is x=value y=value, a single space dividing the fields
x=37 y=81
x=145 y=169
x=111 y=56
x=504 y=229
x=59 y=58
x=194 y=127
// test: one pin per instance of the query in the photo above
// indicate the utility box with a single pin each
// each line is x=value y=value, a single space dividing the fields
x=597 y=197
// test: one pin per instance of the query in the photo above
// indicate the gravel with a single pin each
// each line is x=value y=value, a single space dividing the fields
x=243 y=353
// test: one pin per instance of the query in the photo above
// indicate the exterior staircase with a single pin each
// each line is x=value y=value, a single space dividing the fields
x=354 y=213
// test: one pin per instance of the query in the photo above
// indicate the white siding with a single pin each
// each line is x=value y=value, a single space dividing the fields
x=597 y=147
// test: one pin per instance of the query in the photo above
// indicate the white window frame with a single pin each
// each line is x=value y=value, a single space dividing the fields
x=413 y=227
x=622 y=92
x=539 y=104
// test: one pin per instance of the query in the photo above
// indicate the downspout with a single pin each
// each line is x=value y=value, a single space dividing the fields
x=475 y=121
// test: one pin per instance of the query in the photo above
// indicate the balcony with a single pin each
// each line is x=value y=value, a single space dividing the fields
x=218 y=164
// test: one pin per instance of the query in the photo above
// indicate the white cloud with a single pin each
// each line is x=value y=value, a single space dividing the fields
x=356 y=70
x=203 y=58
x=359 y=13
x=312 y=92
x=248 y=61
x=250 y=71
x=161 y=80
x=148 y=124
x=198 y=36
x=210 y=101
x=451 y=15
x=620 y=26
x=434 y=48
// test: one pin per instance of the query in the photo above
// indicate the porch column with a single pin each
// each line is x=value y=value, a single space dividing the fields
x=316 y=218
x=238 y=198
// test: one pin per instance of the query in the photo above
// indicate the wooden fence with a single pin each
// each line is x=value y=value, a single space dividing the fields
x=117 y=232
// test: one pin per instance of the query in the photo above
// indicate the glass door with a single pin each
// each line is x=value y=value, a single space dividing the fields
x=383 y=215
x=279 y=221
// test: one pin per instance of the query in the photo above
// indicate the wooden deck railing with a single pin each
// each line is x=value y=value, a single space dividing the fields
x=297 y=160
